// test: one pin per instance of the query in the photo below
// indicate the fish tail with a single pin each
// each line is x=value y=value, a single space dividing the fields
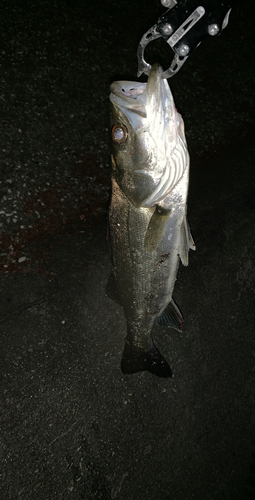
x=135 y=359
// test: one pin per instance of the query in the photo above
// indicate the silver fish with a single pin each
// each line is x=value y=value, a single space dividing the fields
x=148 y=226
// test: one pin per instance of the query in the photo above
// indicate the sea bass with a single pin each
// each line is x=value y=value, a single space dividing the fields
x=148 y=226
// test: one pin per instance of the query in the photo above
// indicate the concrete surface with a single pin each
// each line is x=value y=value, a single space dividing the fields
x=72 y=426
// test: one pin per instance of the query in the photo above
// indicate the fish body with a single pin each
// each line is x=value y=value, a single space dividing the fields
x=148 y=226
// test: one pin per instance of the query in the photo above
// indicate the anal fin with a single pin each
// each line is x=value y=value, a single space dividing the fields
x=171 y=317
x=186 y=243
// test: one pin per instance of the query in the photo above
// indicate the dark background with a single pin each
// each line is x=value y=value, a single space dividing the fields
x=72 y=426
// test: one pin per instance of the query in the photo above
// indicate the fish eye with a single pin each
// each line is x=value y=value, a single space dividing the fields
x=119 y=133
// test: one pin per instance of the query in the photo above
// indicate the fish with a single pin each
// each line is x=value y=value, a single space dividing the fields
x=148 y=225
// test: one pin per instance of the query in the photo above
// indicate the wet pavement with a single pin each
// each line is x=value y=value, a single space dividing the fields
x=72 y=426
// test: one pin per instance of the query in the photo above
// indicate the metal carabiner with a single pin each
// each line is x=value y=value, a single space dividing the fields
x=183 y=26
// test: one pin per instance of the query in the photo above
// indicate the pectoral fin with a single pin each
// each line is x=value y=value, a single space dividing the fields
x=156 y=228
x=186 y=242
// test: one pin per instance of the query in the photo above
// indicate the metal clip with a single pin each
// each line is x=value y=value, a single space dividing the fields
x=162 y=30
x=149 y=36
x=183 y=26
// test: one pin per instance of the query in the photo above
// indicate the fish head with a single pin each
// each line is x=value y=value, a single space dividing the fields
x=145 y=128
x=130 y=140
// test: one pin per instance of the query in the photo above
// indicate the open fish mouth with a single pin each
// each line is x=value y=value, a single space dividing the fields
x=129 y=90
x=131 y=98
x=152 y=100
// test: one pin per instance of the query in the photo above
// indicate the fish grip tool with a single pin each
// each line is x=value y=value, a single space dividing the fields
x=183 y=26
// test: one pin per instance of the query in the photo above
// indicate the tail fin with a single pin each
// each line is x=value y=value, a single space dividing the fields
x=135 y=359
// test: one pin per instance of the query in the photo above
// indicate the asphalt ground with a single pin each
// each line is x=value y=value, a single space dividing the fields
x=72 y=425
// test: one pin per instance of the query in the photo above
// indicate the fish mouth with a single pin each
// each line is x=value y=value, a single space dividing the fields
x=129 y=91
x=139 y=100
x=131 y=99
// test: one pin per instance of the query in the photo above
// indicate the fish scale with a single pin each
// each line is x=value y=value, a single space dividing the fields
x=147 y=217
